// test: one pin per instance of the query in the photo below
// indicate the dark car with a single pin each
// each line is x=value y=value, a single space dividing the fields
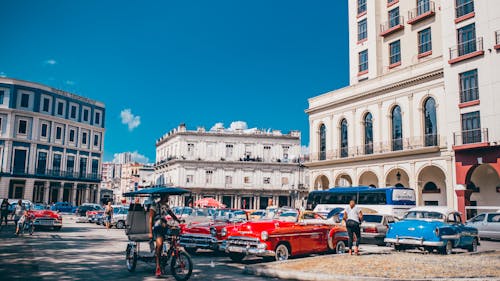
x=63 y=207
x=81 y=211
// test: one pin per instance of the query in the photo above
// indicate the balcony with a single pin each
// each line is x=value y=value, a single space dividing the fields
x=422 y=12
x=466 y=50
x=380 y=149
x=470 y=139
x=392 y=26
x=497 y=40
x=469 y=95
x=53 y=174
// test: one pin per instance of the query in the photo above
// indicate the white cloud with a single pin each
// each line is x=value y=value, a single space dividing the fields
x=50 y=62
x=69 y=82
x=135 y=156
x=217 y=126
x=130 y=119
x=238 y=125
x=2 y=74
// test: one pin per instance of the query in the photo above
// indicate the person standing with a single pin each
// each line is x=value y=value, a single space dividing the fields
x=18 y=213
x=4 y=209
x=108 y=213
x=353 y=218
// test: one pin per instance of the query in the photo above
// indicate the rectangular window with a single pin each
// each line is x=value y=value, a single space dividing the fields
x=83 y=166
x=208 y=177
x=284 y=181
x=23 y=127
x=267 y=180
x=25 y=100
x=229 y=150
x=46 y=105
x=70 y=164
x=56 y=163
x=72 y=112
x=97 y=119
x=96 y=140
x=246 y=180
x=395 y=52
x=466 y=38
x=41 y=164
x=190 y=149
x=361 y=6
x=2 y=95
x=72 y=135
x=95 y=166
x=471 y=127
x=85 y=115
x=464 y=7
x=423 y=6
x=60 y=108
x=469 y=89
x=44 y=130
x=189 y=179
x=84 y=138
x=362 y=30
x=58 y=133
x=20 y=160
x=229 y=180
x=394 y=18
x=363 y=61
x=424 y=41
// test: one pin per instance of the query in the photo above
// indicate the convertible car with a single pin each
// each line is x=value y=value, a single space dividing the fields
x=432 y=228
x=46 y=219
x=287 y=234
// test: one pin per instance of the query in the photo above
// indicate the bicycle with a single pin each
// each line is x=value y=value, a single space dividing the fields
x=27 y=224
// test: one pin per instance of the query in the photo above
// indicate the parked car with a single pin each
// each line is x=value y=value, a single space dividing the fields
x=432 y=228
x=284 y=236
x=44 y=218
x=210 y=235
x=374 y=227
x=63 y=207
x=488 y=225
x=81 y=211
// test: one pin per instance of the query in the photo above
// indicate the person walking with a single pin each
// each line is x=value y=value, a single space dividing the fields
x=353 y=218
x=18 y=213
x=4 y=209
x=108 y=213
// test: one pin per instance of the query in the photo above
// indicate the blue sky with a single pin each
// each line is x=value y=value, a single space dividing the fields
x=196 y=62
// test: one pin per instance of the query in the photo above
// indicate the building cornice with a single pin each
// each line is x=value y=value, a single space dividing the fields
x=229 y=164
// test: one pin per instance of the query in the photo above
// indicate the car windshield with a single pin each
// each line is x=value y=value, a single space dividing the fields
x=183 y=211
x=373 y=218
x=334 y=212
x=238 y=216
x=286 y=216
x=424 y=215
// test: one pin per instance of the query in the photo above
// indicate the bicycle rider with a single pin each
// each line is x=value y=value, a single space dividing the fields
x=158 y=226
x=19 y=213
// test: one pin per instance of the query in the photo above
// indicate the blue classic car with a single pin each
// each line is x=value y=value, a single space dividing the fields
x=63 y=207
x=432 y=228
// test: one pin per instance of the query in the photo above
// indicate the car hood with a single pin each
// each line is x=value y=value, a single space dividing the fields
x=255 y=228
x=45 y=214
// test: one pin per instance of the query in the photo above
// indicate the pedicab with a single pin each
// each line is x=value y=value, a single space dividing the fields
x=173 y=256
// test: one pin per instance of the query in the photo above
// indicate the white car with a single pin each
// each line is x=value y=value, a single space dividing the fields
x=488 y=225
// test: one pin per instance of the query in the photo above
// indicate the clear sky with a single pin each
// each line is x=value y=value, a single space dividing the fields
x=197 y=62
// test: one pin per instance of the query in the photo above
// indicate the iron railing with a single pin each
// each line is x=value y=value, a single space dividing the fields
x=470 y=94
x=52 y=174
x=497 y=37
x=391 y=23
x=425 y=7
x=479 y=135
x=466 y=47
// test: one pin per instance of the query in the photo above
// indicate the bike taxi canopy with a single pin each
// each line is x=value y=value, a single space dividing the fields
x=157 y=191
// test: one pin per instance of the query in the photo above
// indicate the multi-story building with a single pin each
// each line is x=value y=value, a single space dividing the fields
x=400 y=121
x=241 y=168
x=51 y=143
x=471 y=38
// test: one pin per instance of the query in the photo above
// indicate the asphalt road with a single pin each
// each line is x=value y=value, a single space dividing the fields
x=83 y=251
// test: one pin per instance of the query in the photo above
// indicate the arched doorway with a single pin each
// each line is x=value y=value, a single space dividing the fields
x=321 y=183
x=397 y=177
x=432 y=186
x=343 y=180
x=485 y=183
x=368 y=178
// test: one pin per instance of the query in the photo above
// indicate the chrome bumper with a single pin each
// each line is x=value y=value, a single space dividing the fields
x=249 y=251
x=199 y=241
x=413 y=241
x=47 y=223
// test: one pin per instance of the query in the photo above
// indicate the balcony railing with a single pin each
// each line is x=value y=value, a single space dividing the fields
x=392 y=25
x=378 y=148
x=425 y=10
x=479 y=135
x=53 y=174
x=497 y=39
x=467 y=49
x=469 y=95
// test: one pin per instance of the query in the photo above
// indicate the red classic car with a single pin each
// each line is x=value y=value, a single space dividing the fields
x=287 y=234
x=47 y=218
x=208 y=235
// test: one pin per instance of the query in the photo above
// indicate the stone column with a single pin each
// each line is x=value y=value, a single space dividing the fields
x=46 y=192
x=73 y=195
x=87 y=194
x=60 y=193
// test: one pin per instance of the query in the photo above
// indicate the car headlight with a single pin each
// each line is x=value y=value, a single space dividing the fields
x=213 y=231
x=223 y=232
x=264 y=235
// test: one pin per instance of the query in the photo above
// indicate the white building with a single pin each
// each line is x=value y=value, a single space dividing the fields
x=241 y=168
x=395 y=123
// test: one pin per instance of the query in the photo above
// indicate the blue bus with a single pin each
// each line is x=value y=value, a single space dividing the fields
x=389 y=200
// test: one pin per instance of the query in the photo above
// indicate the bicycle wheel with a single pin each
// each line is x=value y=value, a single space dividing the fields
x=181 y=266
x=31 y=228
x=130 y=258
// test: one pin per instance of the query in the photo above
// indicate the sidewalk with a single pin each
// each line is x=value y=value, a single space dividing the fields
x=385 y=266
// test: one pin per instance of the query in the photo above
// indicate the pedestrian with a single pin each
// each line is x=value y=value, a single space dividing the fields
x=353 y=218
x=18 y=213
x=108 y=213
x=4 y=209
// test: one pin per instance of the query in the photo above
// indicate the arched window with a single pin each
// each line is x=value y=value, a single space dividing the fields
x=322 y=142
x=397 y=129
x=344 y=150
x=368 y=133
x=430 y=122
x=430 y=187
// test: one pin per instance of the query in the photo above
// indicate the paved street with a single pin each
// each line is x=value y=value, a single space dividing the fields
x=82 y=251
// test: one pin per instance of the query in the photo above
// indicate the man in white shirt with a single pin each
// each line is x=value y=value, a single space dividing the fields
x=353 y=217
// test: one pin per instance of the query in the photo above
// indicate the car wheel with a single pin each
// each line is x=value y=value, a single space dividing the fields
x=236 y=257
x=131 y=259
x=282 y=253
x=120 y=224
x=399 y=248
x=473 y=248
x=340 y=247
x=447 y=249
